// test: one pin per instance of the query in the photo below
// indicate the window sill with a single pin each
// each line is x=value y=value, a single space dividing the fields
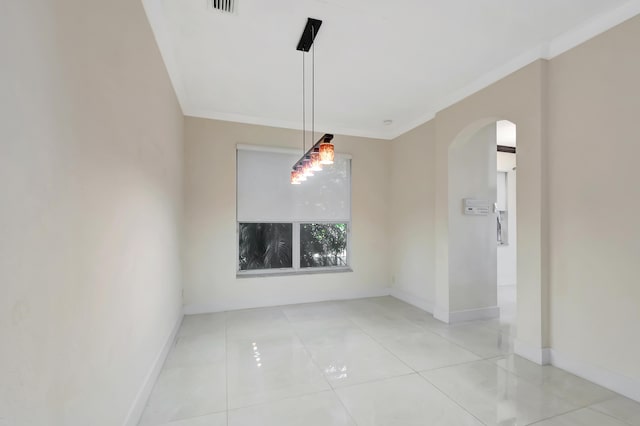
x=284 y=273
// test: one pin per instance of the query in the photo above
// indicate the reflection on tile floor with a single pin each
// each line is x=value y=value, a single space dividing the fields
x=362 y=362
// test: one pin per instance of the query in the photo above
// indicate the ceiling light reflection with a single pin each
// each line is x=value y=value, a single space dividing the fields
x=256 y=354
x=337 y=372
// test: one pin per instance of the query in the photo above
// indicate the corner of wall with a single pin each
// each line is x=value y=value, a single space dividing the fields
x=616 y=382
x=412 y=299
x=541 y=356
x=140 y=401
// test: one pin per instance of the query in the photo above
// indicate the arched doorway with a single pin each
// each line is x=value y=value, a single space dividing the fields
x=457 y=299
x=506 y=222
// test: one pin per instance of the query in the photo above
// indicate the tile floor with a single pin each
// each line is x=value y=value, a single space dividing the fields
x=365 y=362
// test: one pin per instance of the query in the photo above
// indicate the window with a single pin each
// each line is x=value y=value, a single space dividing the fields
x=265 y=246
x=284 y=228
x=323 y=244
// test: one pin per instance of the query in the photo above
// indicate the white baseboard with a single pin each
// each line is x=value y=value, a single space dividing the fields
x=441 y=314
x=412 y=299
x=608 y=379
x=278 y=300
x=541 y=356
x=140 y=401
x=451 y=317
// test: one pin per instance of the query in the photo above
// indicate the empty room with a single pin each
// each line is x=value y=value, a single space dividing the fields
x=319 y=213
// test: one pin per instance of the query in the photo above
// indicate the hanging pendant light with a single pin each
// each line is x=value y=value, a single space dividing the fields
x=294 y=178
x=316 y=165
x=322 y=151
x=327 y=153
x=306 y=166
x=300 y=172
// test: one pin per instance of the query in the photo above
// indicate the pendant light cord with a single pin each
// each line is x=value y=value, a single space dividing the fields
x=313 y=97
x=304 y=116
x=313 y=87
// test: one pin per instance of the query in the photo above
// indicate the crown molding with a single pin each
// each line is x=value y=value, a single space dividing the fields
x=155 y=17
x=284 y=124
x=591 y=28
x=547 y=50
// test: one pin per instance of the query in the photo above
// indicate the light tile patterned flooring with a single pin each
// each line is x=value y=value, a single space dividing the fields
x=365 y=362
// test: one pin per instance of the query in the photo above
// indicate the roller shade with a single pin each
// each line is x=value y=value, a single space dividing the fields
x=264 y=193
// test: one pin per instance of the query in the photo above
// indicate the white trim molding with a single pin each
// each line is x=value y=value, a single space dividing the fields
x=285 y=124
x=451 y=317
x=616 y=382
x=412 y=299
x=193 y=309
x=140 y=401
x=592 y=28
x=441 y=314
x=541 y=356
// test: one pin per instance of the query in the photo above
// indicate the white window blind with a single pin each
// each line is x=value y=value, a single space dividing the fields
x=265 y=194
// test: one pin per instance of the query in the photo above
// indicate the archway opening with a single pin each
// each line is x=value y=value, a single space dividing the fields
x=482 y=224
x=506 y=221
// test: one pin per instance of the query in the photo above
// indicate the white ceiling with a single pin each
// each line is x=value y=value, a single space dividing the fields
x=376 y=60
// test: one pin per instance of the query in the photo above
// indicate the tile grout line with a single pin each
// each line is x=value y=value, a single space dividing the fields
x=469 y=350
x=607 y=414
x=295 y=332
x=411 y=368
x=527 y=381
x=415 y=372
x=554 y=393
x=451 y=399
x=333 y=390
x=378 y=380
x=448 y=340
x=554 y=416
x=286 y=398
x=431 y=332
x=359 y=328
x=388 y=350
x=456 y=325
x=459 y=364
x=179 y=339
x=425 y=379
x=423 y=328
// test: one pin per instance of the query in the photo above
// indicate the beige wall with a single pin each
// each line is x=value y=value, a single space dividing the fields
x=210 y=222
x=472 y=239
x=518 y=98
x=412 y=216
x=577 y=203
x=90 y=177
x=594 y=199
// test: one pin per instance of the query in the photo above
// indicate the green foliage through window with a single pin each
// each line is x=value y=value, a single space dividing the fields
x=323 y=244
x=265 y=245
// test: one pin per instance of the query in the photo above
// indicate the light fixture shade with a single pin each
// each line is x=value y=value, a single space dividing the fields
x=316 y=166
x=300 y=170
x=294 y=178
x=326 y=153
x=306 y=167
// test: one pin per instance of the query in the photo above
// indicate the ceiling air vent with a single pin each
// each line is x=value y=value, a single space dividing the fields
x=227 y=6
